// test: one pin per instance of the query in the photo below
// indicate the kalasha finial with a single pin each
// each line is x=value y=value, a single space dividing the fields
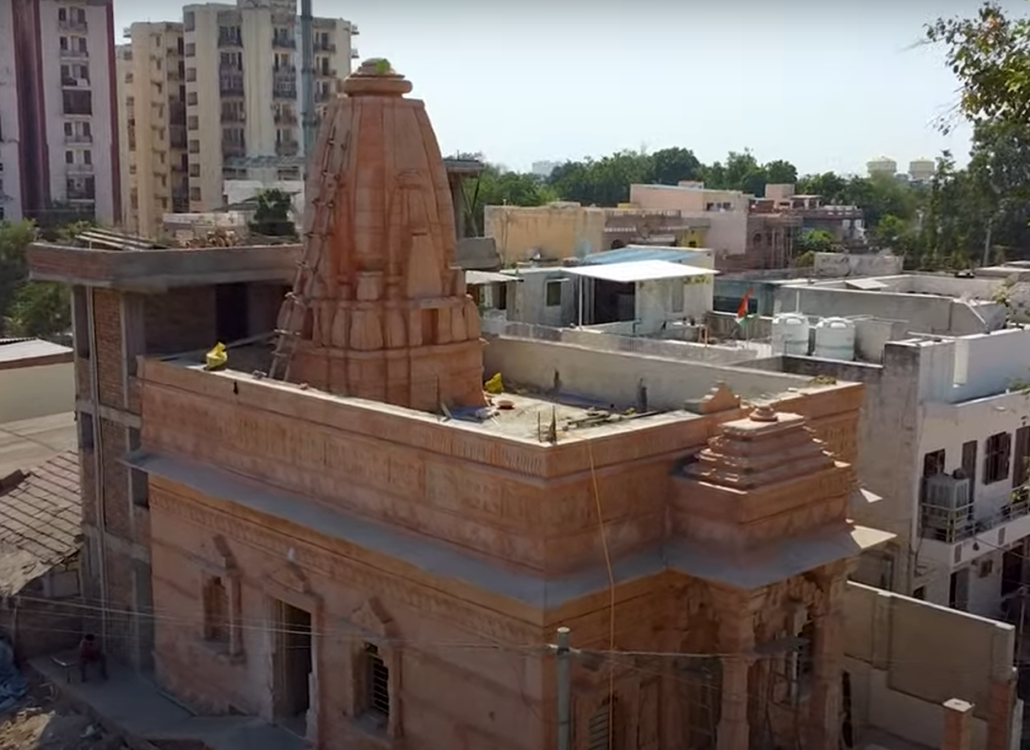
x=376 y=77
x=765 y=413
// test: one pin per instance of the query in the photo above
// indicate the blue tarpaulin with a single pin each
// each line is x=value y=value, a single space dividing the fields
x=12 y=684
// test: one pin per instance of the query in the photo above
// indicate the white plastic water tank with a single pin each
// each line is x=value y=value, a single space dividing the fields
x=790 y=334
x=835 y=339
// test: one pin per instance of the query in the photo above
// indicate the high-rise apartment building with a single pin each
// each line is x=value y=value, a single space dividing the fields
x=221 y=102
x=10 y=169
x=152 y=98
x=57 y=57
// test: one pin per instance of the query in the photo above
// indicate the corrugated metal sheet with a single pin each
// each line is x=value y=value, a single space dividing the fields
x=644 y=270
x=634 y=253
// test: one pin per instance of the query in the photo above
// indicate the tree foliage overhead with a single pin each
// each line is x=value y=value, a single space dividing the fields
x=28 y=308
x=273 y=215
x=990 y=56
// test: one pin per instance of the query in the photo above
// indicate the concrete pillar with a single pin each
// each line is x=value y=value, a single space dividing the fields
x=458 y=198
x=958 y=725
x=828 y=665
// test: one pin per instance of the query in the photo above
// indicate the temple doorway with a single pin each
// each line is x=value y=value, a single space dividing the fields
x=291 y=692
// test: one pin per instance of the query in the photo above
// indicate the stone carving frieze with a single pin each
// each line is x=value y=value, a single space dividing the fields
x=356 y=575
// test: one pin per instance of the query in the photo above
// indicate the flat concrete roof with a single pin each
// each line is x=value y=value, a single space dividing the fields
x=517 y=415
x=17 y=353
x=159 y=270
x=31 y=442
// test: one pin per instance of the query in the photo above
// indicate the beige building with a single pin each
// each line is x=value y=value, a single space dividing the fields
x=243 y=91
x=218 y=97
x=58 y=142
x=566 y=229
x=726 y=211
x=151 y=97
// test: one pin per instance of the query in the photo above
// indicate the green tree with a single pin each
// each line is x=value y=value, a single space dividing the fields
x=815 y=241
x=272 y=217
x=670 y=166
x=15 y=237
x=508 y=189
x=41 y=309
x=780 y=172
x=990 y=56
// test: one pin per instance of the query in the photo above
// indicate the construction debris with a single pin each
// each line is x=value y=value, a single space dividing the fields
x=217 y=237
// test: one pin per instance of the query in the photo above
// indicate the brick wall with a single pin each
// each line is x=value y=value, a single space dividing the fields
x=107 y=319
x=180 y=320
x=120 y=635
x=117 y=509
x=42 y=627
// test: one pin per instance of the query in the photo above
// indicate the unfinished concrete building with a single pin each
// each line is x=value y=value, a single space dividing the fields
x=335 y=530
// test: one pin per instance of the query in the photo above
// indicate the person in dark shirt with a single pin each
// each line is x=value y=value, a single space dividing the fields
x=90 y=653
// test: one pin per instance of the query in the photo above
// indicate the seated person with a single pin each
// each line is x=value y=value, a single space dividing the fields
x=90 y=653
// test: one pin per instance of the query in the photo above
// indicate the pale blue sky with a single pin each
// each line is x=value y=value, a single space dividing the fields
x=826 y=84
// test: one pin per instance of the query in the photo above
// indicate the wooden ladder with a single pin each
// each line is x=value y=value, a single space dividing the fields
x=292 y=314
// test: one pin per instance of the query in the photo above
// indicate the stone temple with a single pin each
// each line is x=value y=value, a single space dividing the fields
x=357 y=545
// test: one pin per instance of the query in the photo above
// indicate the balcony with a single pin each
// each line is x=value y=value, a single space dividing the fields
x=231 y=85
x=74 y=54
x=287 y=148
x=284 y=92
x=230 y=40
x=285 y=118
x=280 y=41
x=233 y=148
x=324 y=95
x=956 y=530
x=81 y=194
x=354 y=54
x=325 y=73
x=233 y=115
x=76 y=83
x=354 y=31
x=79 y=168
x=77 y=25
x=320 y=46
x=77 y=138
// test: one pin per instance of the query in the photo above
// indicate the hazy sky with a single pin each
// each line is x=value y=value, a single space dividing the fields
x=826 y=84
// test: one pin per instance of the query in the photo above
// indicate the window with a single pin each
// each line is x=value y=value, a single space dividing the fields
x=194 y=194
x=191 y=98
x=191 y=75
x=85 y=425
x=377 y=683
x=69 y=157
x=191 y=50
x=64 y=43
x=216 y=611
x=194 y=170
x=997 y=457
x=192 y=122
x=552 y=293
x=62 y=14
x=1022 y=458
x=602 y=727
x=87 y=157
x=933 y=463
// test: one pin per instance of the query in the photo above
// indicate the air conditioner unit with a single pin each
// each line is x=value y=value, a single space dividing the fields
x=947 y=492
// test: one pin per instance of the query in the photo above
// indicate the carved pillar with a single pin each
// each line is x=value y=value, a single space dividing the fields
x=736 y=642
x=828 y=660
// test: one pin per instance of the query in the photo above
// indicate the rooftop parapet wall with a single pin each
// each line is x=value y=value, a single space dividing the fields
x=904 y=663
x=451 y=480
x=527 y=503
x=158 y=270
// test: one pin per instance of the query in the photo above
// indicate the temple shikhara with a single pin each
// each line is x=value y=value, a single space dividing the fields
x=364 y=549
x=380 y=310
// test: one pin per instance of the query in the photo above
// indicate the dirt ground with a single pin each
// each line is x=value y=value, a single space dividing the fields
x=43 y=721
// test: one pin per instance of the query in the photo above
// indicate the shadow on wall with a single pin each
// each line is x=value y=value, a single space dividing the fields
x=901 y=657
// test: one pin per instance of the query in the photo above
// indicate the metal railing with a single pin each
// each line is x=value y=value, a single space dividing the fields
x=77 y=138
x=956 y=524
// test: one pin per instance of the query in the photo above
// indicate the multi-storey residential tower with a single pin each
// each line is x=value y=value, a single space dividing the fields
x=64 y=72
x=152 y=98
x=243 y=92
x=10 y=172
